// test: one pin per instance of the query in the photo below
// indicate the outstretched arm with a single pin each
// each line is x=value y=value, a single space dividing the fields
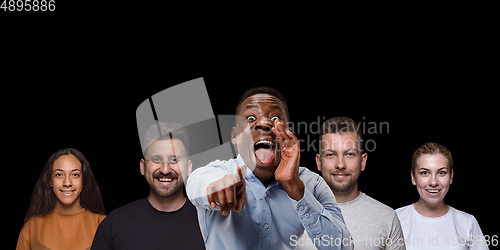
x=213 y=188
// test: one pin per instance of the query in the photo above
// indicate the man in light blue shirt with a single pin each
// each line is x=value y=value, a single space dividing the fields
x=262 y=199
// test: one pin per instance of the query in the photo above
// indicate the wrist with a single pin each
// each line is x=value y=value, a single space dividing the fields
x=294 y=189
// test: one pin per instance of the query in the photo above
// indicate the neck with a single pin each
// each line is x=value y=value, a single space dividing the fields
x=266 y=181
x=348 y=195
x=68 y=209
x=168 y=204
x=431 y=209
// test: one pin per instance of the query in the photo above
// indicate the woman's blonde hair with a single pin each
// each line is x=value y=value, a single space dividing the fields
x=431 y=148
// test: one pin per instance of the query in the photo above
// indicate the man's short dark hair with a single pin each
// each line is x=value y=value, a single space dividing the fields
x=341 y=125
x=263 y=90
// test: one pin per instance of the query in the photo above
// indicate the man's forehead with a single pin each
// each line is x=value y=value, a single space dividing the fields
x=262 y=99
x=338 y=141
x=167 y=146
x=340 y=136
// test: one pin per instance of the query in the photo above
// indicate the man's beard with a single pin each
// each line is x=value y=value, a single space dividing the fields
x=346 y=187
x=165 y=192
x=343 y=188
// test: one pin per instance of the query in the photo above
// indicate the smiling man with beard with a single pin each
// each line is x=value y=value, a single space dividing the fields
x=263 y=199
x=165 y=219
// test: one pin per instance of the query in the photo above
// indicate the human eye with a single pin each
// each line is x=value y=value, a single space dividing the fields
x=76 y=175
x=58 y=175
x=442 y=173
x=350 y=154
x=155 y=160
x=173 y=160
x=424 y=173
x=275 y=118
x=251 y=118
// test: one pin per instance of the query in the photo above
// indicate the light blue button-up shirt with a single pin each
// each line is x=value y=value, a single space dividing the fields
x=270 y=219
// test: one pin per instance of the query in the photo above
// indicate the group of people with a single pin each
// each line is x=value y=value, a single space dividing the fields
x=261 y=199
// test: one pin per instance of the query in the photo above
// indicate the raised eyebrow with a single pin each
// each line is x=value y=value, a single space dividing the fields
x=443 y=168
x=276 y=106
x=251 y=106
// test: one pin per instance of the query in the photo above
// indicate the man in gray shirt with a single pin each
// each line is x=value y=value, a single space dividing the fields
x=372 y=224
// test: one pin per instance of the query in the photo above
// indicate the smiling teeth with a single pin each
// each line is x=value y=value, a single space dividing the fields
x=264 y=141
x=165 y=179
x=433 y=191
x=67 y=192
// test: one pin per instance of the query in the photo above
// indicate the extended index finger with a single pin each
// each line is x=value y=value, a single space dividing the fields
x=241 y=173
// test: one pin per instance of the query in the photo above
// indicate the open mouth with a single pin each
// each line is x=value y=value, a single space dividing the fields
x=433 y=191
x=67 y=192
x=264 y=151
x=165 y=179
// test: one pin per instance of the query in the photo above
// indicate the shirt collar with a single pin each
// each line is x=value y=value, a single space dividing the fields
x=248 y=171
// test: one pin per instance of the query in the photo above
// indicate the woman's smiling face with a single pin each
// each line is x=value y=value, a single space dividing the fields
x=67 y=179
x=432 y=177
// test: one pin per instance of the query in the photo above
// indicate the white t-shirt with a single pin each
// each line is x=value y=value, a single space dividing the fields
x=455 y=230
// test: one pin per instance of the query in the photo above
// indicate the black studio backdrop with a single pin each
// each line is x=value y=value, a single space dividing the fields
x=398 y=116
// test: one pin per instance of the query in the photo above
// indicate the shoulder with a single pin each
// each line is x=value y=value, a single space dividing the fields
x=463 y=217
x=311 y=179
x=37 y=220
x=226 y=166
x=29 y=224
x=128 y=209
x=460 y=213
x=89 y=215
x=306 y=174
x=403 y=211
x=378 y=206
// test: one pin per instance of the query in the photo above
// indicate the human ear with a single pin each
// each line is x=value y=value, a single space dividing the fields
x=451 y=177
x=190 y=167
x=318 y=162
x=233 y=135
x=142 y=166
x=364 y=157
x=413 y=179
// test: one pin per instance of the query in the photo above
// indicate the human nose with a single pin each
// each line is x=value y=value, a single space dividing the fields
x=263 y=123
x=165 y=168
x=340 y=163
x=433 y=181
x=67 y=181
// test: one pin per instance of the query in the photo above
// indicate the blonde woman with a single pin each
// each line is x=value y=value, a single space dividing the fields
x=430 y=223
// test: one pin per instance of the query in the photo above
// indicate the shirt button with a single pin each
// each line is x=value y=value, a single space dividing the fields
x=301 y=207
x=306 y=215
x=266 y=226
x=265 y=195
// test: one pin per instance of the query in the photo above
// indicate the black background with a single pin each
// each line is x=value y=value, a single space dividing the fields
x=92 y=108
